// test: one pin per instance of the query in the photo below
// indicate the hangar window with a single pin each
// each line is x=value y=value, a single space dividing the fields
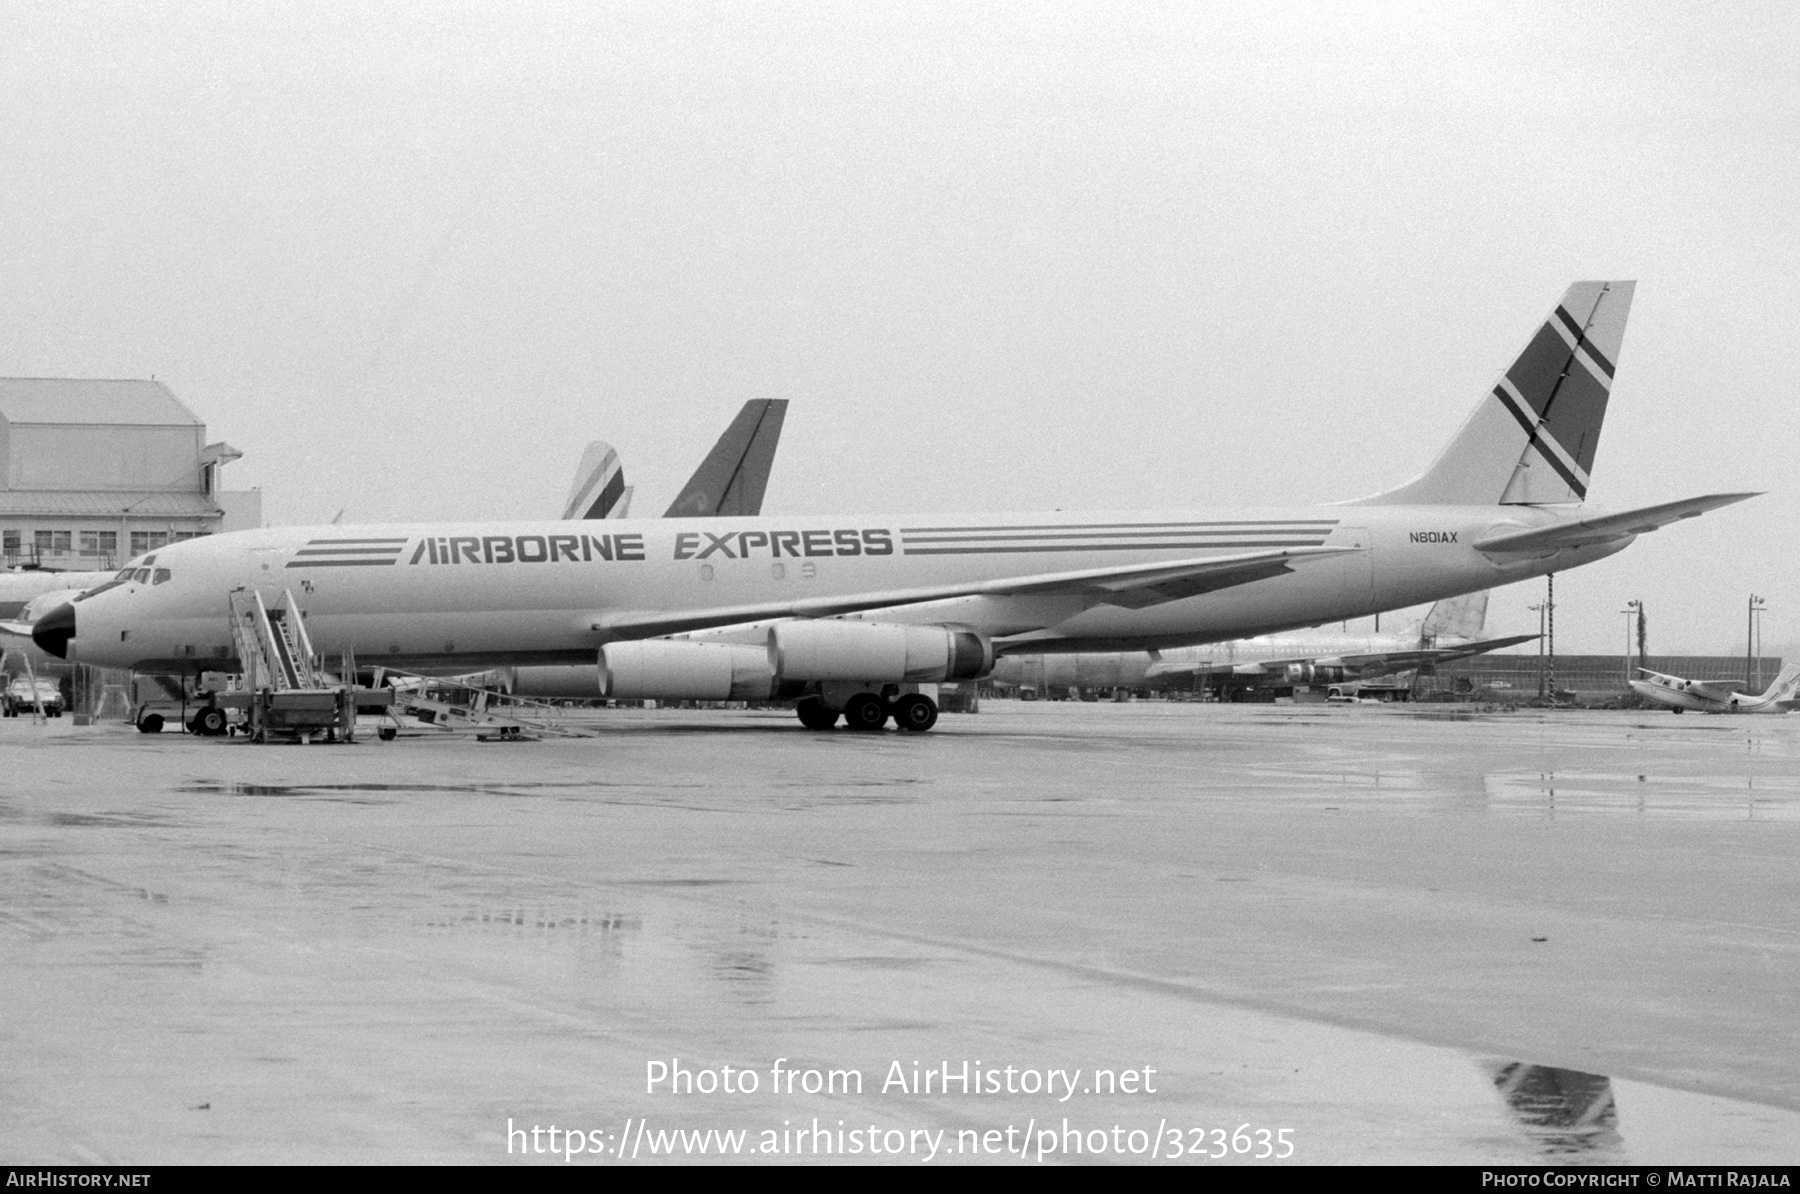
x=99 y=543
x=53 y=541
x=143 y=541
x=9 y=543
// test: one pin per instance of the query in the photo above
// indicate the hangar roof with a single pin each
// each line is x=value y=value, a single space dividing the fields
x=124 y=504
x=64 y=401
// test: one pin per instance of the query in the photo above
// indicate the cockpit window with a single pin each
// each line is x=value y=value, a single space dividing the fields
x=159 y=576
x=124 y=574
x=142 y=576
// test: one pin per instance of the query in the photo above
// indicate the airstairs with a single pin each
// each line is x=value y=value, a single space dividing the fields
x=290 y=694
x=286 y=691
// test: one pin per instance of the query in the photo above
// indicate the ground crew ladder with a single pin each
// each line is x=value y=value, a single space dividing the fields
x=520 y=714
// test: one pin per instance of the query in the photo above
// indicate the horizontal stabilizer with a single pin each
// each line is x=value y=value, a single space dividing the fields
x=1134 y=584
x=1604 y=528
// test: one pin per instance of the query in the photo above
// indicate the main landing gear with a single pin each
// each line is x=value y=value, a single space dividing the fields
x=913 y=711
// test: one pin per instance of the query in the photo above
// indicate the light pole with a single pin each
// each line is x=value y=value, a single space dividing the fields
x=1630 y=611
x=1539 y=609
x=1752 y=635
x=1550 y=629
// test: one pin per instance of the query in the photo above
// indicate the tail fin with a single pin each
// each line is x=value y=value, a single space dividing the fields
x=599 y=490
x=1532 y=439
x=1456 y=617
x=730 y=481
x=1786 y=686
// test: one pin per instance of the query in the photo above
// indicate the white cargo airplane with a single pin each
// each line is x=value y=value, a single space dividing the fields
x=1449 y=631
x=1707 y=697
x=848 y=611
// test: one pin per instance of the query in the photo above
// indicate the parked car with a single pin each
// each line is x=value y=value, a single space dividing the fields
x=22 y=698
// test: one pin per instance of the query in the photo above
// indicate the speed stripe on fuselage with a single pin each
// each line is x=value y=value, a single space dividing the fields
x=1036 y=547
x=1076 y=527
x=1308 y=534
x=339 y=563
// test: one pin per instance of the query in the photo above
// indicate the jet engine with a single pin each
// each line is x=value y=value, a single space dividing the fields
x=552 y=682
x=1315 y=673
x=877 y=652
x=679 y=671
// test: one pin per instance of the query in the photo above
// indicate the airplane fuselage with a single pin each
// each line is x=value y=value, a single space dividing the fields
x=1678 y=694
x=459 y=597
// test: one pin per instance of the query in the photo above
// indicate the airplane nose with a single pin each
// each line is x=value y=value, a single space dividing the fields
x=53 y=631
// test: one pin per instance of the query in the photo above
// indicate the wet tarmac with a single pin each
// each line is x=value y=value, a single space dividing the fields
x=1042 y=934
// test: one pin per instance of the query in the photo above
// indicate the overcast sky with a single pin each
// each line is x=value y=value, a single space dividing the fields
x=1017 y=258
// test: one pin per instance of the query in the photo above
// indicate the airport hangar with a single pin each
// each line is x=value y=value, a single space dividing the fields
x=95 y=472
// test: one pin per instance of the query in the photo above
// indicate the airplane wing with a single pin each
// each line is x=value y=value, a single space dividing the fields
x=1696 y=688
x=1403 y=659
x=729 y=483
x=1373 y=664
x=1136 y=585
x=1601 y=528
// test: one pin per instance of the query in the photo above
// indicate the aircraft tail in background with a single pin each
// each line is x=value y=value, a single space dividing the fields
x=1456 y=617
x=599 y=490
x=1531 y=441
x=729 y=483
x=1786 y=689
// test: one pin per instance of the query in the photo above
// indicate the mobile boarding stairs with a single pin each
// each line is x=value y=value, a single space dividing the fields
x=286 y=693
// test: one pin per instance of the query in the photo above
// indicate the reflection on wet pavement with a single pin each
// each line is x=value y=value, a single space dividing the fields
x=385 y=952
x=1567 y=1111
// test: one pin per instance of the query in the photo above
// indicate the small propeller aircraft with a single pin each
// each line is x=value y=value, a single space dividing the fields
x=1712 y=697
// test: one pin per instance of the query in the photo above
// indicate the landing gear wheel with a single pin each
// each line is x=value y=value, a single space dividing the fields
x=150 y=723
x=916 y=712
x=387 y=733
x=815 y=714
x=865 y=711
x=210 y=723
x=1678 y=710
